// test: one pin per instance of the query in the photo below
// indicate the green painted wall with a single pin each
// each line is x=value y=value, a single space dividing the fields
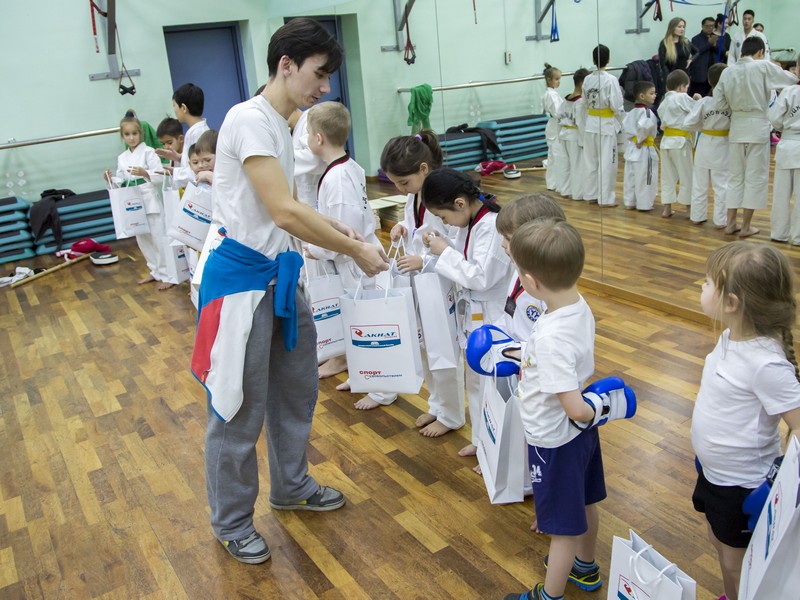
x=47 y=91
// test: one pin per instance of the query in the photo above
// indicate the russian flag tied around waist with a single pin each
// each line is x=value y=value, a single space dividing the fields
x=235 y=279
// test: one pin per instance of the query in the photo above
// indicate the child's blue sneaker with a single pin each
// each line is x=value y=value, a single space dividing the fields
x=588 y=580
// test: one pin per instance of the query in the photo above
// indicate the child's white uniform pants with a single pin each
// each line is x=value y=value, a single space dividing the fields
x=676 y=166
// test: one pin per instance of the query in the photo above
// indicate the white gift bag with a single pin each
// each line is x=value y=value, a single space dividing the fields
x=127 y=210
x=639 y=572
x=436 y=303
x=176 y=264
x=192 y=221
x=324 y=291
x=771 y=567
x=502 y=450
x=392 y=277
x=381 y=340
x=172 y=205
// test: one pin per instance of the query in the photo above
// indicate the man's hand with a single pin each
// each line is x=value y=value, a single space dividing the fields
x=409 y=263
x=371 y=259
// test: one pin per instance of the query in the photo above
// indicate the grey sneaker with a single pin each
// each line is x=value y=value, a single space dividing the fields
x=252 y=550
x=325 y=498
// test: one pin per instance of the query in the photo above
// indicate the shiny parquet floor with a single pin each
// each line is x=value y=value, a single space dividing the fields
x=102 y=491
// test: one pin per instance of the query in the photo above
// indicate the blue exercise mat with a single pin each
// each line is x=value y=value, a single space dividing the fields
x=50 y=248
x=9 y=237
x=14 y=255
x=90 y=232
x=15 y=215
x=15 y=226
x=18 y=245
x=13 y=203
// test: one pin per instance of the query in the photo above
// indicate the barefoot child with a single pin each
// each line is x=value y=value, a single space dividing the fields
x=476 y=262
x=570 y=135
x=676 y=143
x=342 y=195
x=551 y=103
x=640 y=182
x=407 y=160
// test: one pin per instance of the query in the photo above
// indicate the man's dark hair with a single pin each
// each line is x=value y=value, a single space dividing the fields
x=192 y=96
x=752 y=46
x=300 y=38
x=706 y=20
x=749 y=12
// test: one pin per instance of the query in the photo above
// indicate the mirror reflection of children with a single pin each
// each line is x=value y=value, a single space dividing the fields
x=139 y=166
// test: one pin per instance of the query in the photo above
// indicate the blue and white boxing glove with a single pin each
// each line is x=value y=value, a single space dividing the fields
x=611 y=399
x=755 y=501
x=482 y=345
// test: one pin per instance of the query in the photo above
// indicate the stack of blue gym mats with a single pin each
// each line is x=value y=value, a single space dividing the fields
x=82 y=216
x=16 y=240
x=519 y=138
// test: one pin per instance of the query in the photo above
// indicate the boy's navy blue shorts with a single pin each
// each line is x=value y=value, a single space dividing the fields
x=722 y=506
x=565 y=481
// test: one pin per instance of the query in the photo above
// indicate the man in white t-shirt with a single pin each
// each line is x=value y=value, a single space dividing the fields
x=735 y=52
x=255 y=348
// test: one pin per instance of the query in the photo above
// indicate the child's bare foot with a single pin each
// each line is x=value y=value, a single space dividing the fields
x=434 y=429
x=366 y=403
x=748 y=233
x=163 y=285
x=343 y=387
x=667 y=212
x=424 y=419
x=535 y=527
x=477 y=469
x=733 y=229
x=630 y=207
x=332 y=367
x=147 y=279
x=468 y=450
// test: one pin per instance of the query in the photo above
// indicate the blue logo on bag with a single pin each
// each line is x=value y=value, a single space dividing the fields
x=133 y=206
x=325 y=309
x=375 y=336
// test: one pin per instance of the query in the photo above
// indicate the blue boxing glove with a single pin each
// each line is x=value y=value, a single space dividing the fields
x=755 y=501
x=480 y=355
x=611 y=399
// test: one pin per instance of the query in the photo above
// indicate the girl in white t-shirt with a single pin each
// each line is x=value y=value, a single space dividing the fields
x=407 y=160
x=750 y=382
x=475 y=261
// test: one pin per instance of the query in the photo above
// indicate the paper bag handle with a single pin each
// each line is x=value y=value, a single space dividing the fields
x=634 y=565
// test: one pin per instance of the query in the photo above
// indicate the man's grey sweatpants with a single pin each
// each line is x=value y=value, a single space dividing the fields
x=280 y=391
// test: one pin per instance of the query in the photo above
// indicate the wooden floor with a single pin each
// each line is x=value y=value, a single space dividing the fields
x=102 y=491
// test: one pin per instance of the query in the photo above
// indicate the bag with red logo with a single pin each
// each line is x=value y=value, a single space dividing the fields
x=436 y=302
x=128 y=211
x=381 y=340
x=192 y=221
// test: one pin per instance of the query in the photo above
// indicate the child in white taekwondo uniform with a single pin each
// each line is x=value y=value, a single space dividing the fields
x=551 y=103
x=676 y=143
x=342 y=194
x=570 y=134
x=476 y=262
x=747 y=88
x=308 y=167
x=139 y=166
x=603 y=113
x=785 y=117
x=711 y=153
x=407 y=160
x=640 y=183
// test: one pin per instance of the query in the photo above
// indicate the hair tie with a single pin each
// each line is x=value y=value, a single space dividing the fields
x=418 y=136
x=480 y=197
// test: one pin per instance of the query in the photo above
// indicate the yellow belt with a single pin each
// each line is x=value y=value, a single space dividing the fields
x=605 y=113
x=671 y=131
x=569 y=126
x=649 y=141
x=717 y=132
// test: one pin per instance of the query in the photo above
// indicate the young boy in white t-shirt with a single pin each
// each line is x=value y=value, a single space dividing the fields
x=566 y=462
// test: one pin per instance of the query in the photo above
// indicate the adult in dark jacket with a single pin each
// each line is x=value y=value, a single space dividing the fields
x=706 y=43
x=675 y=51
x=726 y=38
